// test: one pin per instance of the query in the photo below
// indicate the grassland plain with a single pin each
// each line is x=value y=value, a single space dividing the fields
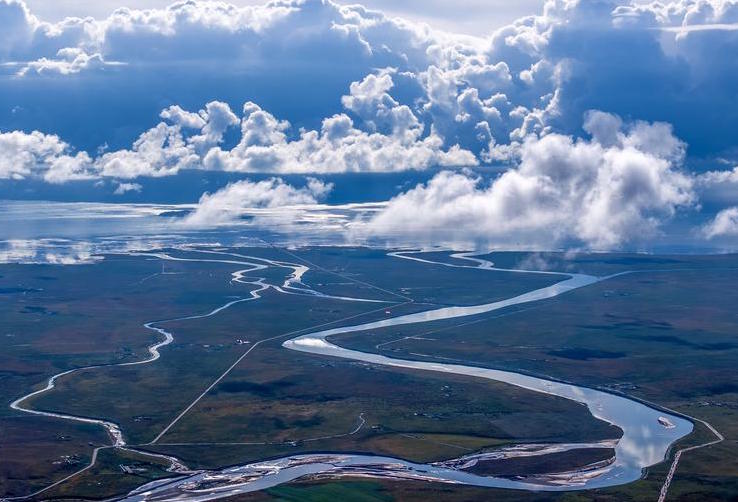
x=666 y=334
x=266 y=403
x=143 y=399
x=55 y=318
x=75 y=316
x=107 y=479
x=423 y=283
x=282 y=397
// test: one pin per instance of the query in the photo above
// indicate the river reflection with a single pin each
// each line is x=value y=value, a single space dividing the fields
x=645 y=439
x=647 y=432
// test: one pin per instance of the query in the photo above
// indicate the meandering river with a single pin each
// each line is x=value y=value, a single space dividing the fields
x=648 y=433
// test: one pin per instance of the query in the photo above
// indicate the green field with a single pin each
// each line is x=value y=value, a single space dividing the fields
x=666 y=334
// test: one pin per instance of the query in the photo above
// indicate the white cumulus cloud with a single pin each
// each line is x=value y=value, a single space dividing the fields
x=40 y=155
x=124 y=188
x=338 y=146
x=413 y=98
x=615 y=188
x=189 y=140
x=230 y=203
x=725 y=224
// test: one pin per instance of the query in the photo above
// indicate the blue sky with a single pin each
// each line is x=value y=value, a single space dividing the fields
x=591 y=124
x=474 y=17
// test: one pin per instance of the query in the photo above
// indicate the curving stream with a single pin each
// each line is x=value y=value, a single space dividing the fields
x=647 y=432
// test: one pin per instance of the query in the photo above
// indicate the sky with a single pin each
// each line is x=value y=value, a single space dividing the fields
x=473 y=17
x=569 y=124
